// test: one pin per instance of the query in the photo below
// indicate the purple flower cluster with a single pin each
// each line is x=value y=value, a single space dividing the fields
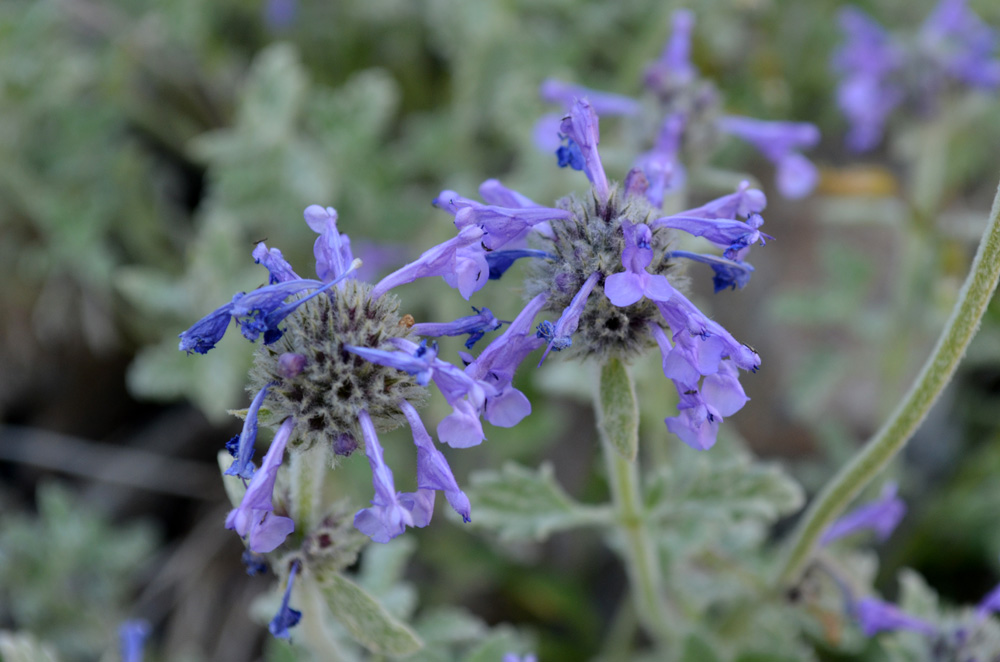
x=879 y=71
x=882 y=516
x=699 y=356
x=684 y=104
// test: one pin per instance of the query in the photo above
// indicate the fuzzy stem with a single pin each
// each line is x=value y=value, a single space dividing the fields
x=639 y=552
x=890 y=439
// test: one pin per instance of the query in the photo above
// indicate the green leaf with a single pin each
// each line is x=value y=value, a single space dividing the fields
x=365 y=618
x=522 y=504
x=617 y=410
x=502 y=640
x=697 y=649
x=723 y=483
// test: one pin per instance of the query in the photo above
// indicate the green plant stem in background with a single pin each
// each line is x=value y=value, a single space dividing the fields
x=615 y=401
x=890 y=439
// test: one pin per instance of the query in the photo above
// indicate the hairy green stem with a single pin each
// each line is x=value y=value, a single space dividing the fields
x=890 y=439
x=639 y=552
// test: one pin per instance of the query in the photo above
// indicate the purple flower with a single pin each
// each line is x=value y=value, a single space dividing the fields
x=877 y=616
x=433 y=472
x=504 y=226
x=280 y=14
x=629 y=286
x=741 y=204
x=580 y=131
x=501 y=261
x=604 y=103
x=332 y=249
x=506 y=406
x=254 y=518
x=732 y=235
x=661 y=165
x=256 y=564
x=990 y=603
x=272 y=258
x=259 y=312
x=881 y=516
x=702 y=361
x=420 y=362
x=495 y=193
x=286 y=616
x=475 y=325
x=962 y=44
x=780 y=143
x=733 y=274
x=208 y=331
x=461 y=261
x=132 y=635
x=243 y=465
x=291 y=364
x=390 y=512
x=559 y=337
x=866 y=93
x=673 y=70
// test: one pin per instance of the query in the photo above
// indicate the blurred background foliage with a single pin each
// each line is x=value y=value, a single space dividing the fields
x=146 y=146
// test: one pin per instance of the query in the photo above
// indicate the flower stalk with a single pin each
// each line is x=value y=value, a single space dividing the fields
x=910 y=413
x=639 y=551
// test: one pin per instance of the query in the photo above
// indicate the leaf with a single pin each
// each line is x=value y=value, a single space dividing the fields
x=522 y=504
x=730 y=485
x=365 y=618
x=502 y=640
x=697 y=649
x=617 y=409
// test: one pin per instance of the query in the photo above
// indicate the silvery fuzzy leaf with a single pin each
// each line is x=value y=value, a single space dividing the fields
x=525 y=504
x=367 y=620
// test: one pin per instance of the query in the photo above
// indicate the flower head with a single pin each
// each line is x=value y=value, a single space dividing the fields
x=881 y=516
x=132 y=637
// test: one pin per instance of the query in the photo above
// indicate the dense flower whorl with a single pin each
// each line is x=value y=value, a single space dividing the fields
x=334 y=384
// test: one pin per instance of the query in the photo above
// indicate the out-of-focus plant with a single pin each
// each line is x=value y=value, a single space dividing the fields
x=67 y=575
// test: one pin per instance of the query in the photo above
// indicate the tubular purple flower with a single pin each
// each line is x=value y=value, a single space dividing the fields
x=780 y=143
x=419 y=362
x=495 y=193
x=962 y=44
x=561 y=334
x=661 y=165
x=387 y=517
x=254 y=518
x=272 y=258
x=501 y=261
x=502 y=226
x=461 y=261
x=604 y=103
x=243 y=465
x=629 y=286
x=286 y=616
x=877 y=616
x=332 y=249
x=881 y=516
x=732 y=235
x=261 y=311
x=580 y=129
x=208 y=331
x=475 y=325
x=733 y=274
x=673 y=69
x=866 y=61
x=990 y=603
x=132 y=635
x=741 y=204
x=433 y=472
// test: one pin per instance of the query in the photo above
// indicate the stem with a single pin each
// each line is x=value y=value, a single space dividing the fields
x=890 y=439
x=639 y=553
